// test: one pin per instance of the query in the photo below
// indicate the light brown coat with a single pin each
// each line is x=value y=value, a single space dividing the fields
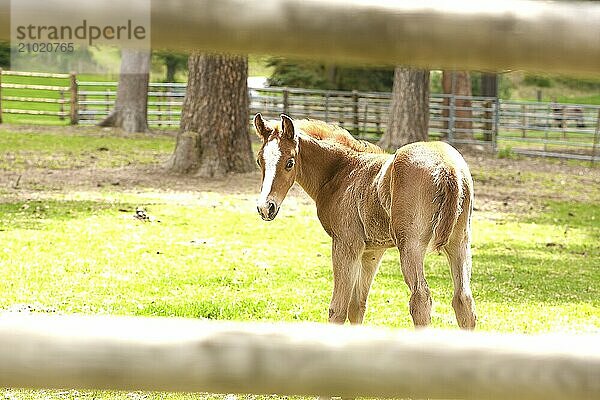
x=417 y=200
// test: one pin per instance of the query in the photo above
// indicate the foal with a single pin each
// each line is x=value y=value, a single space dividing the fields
x=418 y=199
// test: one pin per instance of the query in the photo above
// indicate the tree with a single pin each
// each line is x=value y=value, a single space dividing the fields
x=131 y=105
x=489 y=88
x=4 y=54
x=213 y=138
x=316 y=75
x=458 y=83
x=172 y=61
x=409 y=110
x=489 y=85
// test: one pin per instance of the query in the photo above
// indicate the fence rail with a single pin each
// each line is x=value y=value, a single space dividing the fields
x=558 y=36
x=292 y=359
x=96 y=100
x=532 y=128
x=39 y=99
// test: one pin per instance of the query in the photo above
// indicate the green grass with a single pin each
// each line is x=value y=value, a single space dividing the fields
x=87 y=256
x=60 y=150
x=580 y=99
x=208 y=255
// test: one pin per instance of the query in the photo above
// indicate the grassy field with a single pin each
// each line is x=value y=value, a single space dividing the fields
x=71 y=244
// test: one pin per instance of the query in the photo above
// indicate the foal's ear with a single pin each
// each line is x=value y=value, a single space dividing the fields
x=287 y=127
x=262 y=130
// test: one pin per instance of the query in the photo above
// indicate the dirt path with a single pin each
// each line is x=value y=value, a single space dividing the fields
x=500 y=184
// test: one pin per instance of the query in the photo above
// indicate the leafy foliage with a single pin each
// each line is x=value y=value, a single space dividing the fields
x=315 y=75
x=537 y=80
x=4 y=54
x=548 y=81
x=172 y=61
x=579 y=83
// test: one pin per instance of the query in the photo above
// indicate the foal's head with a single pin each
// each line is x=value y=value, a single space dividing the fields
x=277 y=161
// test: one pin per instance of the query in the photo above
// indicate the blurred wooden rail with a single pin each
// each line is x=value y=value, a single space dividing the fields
x=560 y=36
x=288 y=359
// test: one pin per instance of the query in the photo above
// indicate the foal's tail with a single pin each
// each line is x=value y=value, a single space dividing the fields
x=451 y=188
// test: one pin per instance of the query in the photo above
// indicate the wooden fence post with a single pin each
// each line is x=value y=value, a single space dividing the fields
x=496 y=130
x=286 y=101
x=378 y=129
x=74 y=99
x=596 y=138
x=355 y=112
x=61 y=105
x=168 y=101
x=451 y=115
x=0 y=95
x=523 y=119
x=326 y=106
x=365 y=120
x=160 y=98
x=488 y=116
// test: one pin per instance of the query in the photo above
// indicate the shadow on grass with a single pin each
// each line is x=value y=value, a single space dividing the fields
x=570 y=214
x=35 y=214
x=519 y=266
x=243 y=309
x=523 y=279
x=510 y=278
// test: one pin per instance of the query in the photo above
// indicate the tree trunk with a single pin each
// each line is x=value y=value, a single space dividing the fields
x=409 y=113
x=489 y=85
x=489 y=88
x=458 y=83
x=171 y=64
x=131 y=105
x=214 y=138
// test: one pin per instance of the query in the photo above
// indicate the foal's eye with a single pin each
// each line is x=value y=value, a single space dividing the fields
x=289 y=164
x=258 y=161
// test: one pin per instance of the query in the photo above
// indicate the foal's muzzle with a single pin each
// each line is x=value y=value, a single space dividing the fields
x=268 y=211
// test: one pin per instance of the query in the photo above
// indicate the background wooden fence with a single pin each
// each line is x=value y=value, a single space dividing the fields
x=532 y=128
x=24 y=96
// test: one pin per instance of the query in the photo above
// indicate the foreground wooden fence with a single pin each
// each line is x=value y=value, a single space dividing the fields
x=300 y=359
x=557 y=36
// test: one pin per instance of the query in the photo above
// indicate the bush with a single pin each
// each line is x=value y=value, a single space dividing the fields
x=538 y=80
x=4 y=55
x=507 y=153
x=435 y=82
x=315 y=75
x=579 y=83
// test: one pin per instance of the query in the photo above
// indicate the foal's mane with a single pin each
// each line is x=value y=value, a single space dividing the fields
x=332 y=133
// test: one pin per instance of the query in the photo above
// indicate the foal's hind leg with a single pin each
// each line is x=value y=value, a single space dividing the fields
x=412 y=254
x=458 y=252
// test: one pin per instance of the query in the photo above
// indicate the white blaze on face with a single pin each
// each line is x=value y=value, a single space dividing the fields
x=271 y=156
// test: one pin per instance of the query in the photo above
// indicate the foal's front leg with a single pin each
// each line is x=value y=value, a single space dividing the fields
x=346 y=257
x=358 y=305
